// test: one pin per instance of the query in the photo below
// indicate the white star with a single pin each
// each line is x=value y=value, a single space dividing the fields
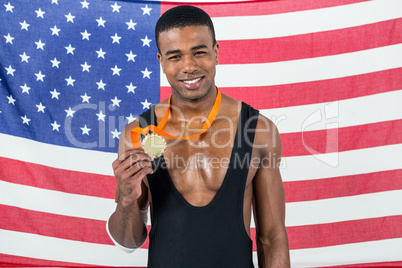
x=24 y=25
x=85 y=98
x=131 y=24
x=39 y=13
x=70 y=81
x=9 y=7
x=39 y=44
x=101 y=116
x=146 y=73
x=55 y=126
x=116 y=8
x=101 y=85
x=41 y=108
x=25 y=120
x=55 y=31
x=115 y=134
x=146 y=104
x=40 y=76
x=11 y=100
x=101 y=53
x=69 y=112
x=55 y=63
x=131 y=88
x=146 y=41
x=24 y=57
x=85 y=130
x=70 y=17
x=10 y=70
x=116 y=70
x=70 y=49
x=116 y=38
x=146 y=10
x=55 y=94
x=130 y=118
x=25 y=88
x=131 y=56
x=116 y=102
x=55 y=2
x=85 y=35
x=85 y=67
x=101 y=22
x=9 y=39
x=85 y=4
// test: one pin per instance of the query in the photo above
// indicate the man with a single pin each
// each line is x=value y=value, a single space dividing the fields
x=222 y=158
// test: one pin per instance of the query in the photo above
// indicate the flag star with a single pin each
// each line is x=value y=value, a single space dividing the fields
x=85 y=35
x=116 y=102
x=11 y=99
x=41 y=108
x=40 y=76
x=25 y=120
x=39 y=44
x=55 y=63
x=85 y=4
x=85 y=98
x=101 y=116
x=24 y=25
x=146 y=73
x=9 y=7
x=130 y=118
x=55 y=94
x=101 y=53
x=55 y=31
x=10 y=70
x=146 y=41
x=131 y=56
x=70 y=81
x=116 y=8
x=146 y=104
x=116 y=38
x=69 y=112
x=101 y=22
x=85 y=130
x=24 y=57
x=146 y=10
x=39 y=13
x=9 y=39
x=55 y=126
x=116 y=70
x=131 y=88
x=70 y=49
x=115 y=134
x=55 y=2
x=25 y=88
x=85 y=67
x=70 y=17
x=131 y=24
x=101 y=85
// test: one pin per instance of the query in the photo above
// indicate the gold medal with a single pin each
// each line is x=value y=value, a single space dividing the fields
x=154 y=145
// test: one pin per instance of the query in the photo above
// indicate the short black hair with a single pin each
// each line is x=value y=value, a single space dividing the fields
x=183 y=16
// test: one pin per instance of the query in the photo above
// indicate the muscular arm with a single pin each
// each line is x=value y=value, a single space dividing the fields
x=269 y=200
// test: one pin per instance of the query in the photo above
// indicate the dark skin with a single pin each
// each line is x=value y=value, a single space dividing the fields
x=188 y=59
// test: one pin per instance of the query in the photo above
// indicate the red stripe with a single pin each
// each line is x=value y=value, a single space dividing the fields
x=312 y=44
x=341 y=139
x=266 y=97
x=364 y=265
x=57 y=179
x=297 y=191
x=259 y=7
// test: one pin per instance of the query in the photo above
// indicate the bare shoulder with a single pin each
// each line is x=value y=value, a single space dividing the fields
x=267 y=139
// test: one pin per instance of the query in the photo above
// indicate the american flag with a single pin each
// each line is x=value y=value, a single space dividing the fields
x=328 y=73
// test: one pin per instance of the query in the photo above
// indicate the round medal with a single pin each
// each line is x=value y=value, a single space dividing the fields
x=154 y=145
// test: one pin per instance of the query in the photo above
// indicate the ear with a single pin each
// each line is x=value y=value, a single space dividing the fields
x=160 y=61
x=216 y=49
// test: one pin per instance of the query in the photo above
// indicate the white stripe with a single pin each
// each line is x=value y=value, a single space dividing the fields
x=306 y=70
x=308 y=21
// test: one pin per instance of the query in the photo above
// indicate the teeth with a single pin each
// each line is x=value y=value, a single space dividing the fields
x=192 y=81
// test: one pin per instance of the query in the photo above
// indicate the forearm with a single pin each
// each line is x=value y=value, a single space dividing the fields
x=274 y=252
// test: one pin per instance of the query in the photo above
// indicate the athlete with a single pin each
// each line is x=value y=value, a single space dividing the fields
x=221 y=160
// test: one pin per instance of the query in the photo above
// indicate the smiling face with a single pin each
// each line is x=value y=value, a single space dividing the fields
x=189 y=58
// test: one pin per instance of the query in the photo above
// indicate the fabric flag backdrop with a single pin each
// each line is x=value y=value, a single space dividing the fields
x=328 y=73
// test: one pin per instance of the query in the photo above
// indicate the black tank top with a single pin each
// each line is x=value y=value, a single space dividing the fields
x=186 y=236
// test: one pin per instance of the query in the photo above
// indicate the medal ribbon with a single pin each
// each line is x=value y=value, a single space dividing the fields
x=159 y=129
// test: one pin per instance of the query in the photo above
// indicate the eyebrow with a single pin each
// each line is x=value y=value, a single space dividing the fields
x=169 y=52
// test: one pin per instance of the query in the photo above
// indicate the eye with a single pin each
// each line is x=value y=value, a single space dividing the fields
x=200 y=53
x=175 y=57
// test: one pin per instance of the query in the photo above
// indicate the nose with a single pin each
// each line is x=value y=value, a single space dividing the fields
x=189 y=65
